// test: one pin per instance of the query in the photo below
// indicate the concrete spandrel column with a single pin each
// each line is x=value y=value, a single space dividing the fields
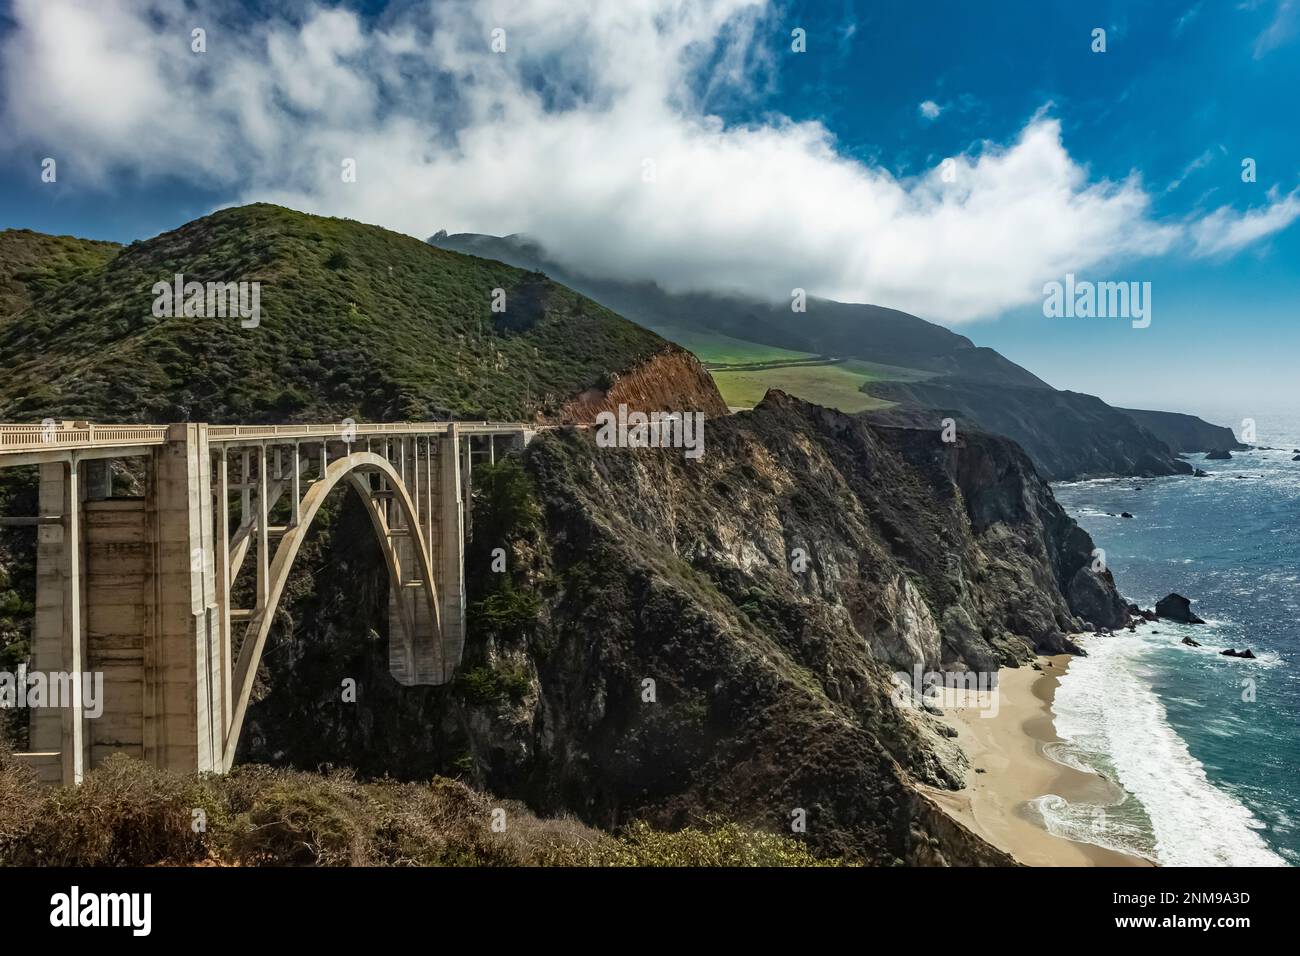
x=451 y=543
x=296 y=489
x=76 y=744
x=263 y=529
x=221 y=534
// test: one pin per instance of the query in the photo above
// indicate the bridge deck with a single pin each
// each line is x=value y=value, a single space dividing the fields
x=58 y=438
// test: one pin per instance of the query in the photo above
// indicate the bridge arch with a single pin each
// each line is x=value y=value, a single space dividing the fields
x=355 y=469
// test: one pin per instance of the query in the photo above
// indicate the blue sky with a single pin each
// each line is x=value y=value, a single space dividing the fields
x=815 y=169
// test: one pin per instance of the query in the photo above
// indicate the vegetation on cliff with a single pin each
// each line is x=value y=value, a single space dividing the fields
x=127 y=813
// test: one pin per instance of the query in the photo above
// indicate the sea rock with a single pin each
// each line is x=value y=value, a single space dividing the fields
x=1135 y=611
x=1198 y=473
x=1175 y=607
x=1233 y=652
x=1219 y=454
x=1296 y=458
x=1125 y=514
x=1191 y=643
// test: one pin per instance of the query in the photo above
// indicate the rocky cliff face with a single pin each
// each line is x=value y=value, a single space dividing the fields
x=1068 y=435
x=768 y=591
x=669 y=381
x=1184 y=433
x=678 y=640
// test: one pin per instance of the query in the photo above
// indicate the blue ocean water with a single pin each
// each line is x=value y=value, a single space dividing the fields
x=1206 y=747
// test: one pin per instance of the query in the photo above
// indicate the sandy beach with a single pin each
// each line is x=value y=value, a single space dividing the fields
x=1008 y=747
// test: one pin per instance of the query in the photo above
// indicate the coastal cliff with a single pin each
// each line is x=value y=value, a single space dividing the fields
x=769 y=590
x=680 y=640
x=1069 y=435
x=1185 y=433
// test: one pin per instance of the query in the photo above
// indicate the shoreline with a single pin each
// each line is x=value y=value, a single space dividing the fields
x=1009 y=749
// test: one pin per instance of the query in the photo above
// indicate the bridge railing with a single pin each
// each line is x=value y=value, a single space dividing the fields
x=59 y=435
x=56 y=435
x=223 y=433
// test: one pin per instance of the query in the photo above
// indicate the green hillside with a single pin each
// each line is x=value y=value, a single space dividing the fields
x=32 y=261
x=356 y=321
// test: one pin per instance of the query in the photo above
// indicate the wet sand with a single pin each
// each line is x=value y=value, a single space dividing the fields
x=1009 y=748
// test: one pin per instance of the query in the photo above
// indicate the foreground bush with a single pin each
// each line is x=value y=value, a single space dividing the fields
x=129 y=814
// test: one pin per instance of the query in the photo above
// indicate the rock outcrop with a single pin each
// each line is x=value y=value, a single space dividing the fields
x=672 y=380
x=1175 y=607
x=1219 y=454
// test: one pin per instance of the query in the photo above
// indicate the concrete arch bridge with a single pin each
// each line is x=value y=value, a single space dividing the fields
x=138 y=589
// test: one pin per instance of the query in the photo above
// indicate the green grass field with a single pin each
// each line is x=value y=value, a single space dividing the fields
x=714 y=348
x=834 y=385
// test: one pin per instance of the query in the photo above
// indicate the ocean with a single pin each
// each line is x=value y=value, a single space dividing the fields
x=1206 y=747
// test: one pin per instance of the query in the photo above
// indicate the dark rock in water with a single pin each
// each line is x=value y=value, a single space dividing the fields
x=1125 y=514
x=1135 y=611
x=1296 y=458
x=1188 y=641
x=1198 y=473
x=1219 y=454
x=1233 y=652
x=1175 y=607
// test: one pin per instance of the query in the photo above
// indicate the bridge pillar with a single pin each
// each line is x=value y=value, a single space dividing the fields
x=183 y=669
x=57 y=735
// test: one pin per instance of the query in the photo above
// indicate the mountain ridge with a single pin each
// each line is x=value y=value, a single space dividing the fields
x=1069 y=435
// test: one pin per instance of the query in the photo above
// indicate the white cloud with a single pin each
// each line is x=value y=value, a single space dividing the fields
x=550 y=139
x=1225 y=231
x=1280 y=30
x=1200 y=162
x=930 y=109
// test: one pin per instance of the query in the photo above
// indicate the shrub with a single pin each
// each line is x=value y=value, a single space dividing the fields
x=127 y=813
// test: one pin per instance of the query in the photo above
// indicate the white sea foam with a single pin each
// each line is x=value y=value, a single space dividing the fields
x=1105 y=707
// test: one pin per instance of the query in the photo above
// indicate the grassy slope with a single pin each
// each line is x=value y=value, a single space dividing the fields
x=356 y=322
x=714 y=348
